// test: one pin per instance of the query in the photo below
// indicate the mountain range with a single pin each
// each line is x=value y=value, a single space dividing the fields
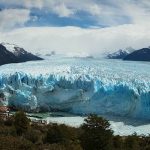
x=131 y=54
x=10 y=53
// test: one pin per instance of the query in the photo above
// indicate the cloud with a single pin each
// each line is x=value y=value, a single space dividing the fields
x=11 y=18
x=24 y=3
x=138 y=11
x=62 y=11
x=126 y=23
x=79 y=40
x=105 y=13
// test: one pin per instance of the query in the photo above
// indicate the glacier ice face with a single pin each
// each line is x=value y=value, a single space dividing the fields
x=79 y=86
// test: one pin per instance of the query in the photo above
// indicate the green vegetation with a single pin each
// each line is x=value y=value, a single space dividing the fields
x=96 y=133
x=18 y=132
x=21 y=123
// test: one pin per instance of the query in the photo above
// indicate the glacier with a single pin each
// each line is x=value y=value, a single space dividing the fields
x=79 y=86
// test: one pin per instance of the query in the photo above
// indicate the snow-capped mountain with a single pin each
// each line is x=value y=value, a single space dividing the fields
x=12 y=48
x=6 y=56
x=11 y=53
x=117 y=55
x=120 y=54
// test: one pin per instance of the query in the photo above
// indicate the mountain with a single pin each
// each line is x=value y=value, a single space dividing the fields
x=120 y=54
x=117 y=55
x=139 y=55
x=10 y=53
x=6 y=56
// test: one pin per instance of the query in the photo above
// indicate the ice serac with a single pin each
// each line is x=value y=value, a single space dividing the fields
x=77 y=93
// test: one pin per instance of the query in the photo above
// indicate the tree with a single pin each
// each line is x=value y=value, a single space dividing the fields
x=21 y=122
x=96 y=134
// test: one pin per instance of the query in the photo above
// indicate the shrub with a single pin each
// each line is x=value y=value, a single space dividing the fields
x=117 y=142
x=9 y=121
x=33 y=135
x=132 y=142
x=14 y=143
x=145 y=142
x=73 y=146
x=21 y=122
x=52 y=147
x=59 y=133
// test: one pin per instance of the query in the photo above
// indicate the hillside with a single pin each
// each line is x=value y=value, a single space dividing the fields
x=139 y=55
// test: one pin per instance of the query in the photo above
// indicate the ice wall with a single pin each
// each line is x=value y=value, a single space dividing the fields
x=76 y=93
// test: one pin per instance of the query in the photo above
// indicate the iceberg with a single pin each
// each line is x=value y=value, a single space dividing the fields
x=79 y=86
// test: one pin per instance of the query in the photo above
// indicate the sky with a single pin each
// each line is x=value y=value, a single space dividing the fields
x=75 y=26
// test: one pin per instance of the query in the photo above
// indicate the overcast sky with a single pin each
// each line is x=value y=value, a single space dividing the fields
x=75 y=26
